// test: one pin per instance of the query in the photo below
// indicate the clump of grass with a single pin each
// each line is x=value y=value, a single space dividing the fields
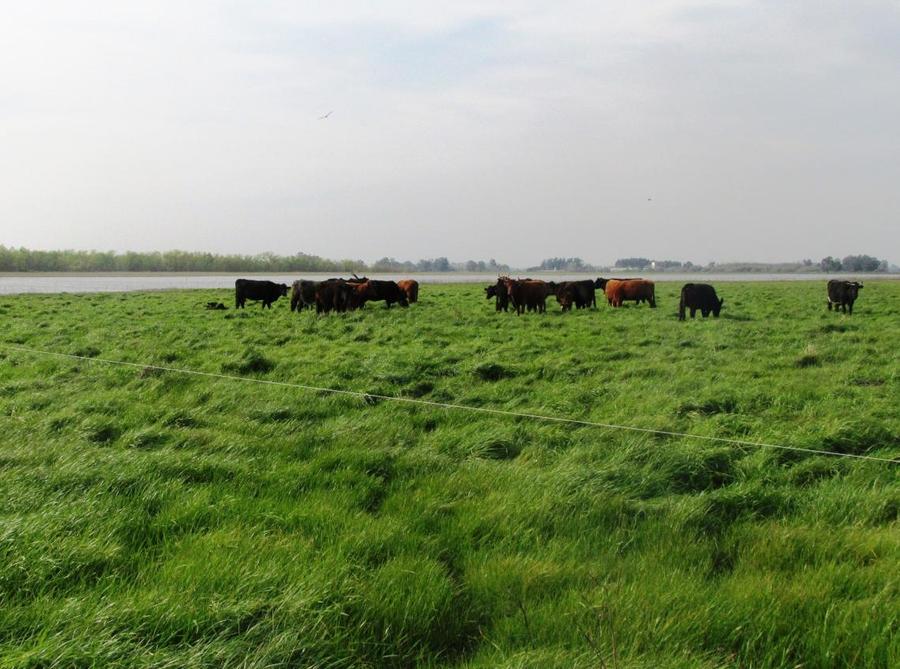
x=492 y=371
x=809 y=357
x=99 y=430
x=251 y=362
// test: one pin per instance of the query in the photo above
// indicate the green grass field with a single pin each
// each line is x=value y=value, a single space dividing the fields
x=152 y=519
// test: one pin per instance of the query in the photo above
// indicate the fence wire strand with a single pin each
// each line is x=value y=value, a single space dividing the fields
x=450 y=406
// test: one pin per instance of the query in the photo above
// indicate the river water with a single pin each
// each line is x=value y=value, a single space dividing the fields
x=26 y=282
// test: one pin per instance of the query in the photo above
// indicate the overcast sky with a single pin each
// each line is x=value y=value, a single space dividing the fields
x=515 y=130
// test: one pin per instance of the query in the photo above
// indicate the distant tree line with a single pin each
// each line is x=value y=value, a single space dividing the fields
x=647 y=263
x=27 y=260
x=861 y=263
x=563 y=265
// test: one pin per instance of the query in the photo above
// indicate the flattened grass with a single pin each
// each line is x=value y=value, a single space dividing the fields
x=155 y=519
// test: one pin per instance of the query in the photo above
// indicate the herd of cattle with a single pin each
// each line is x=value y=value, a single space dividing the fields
x=520 y=294
x=328 y=295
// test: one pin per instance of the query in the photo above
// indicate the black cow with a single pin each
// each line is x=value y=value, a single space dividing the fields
x=700 y=296
x=579 y=293
x=842 y=294
x=257 y=291
x=500 y=294
x=303 y=295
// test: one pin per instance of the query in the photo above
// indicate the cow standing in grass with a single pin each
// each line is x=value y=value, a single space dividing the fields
x=581 y=294
x=842 y=295
x=376 y=291
x=700 y=296
x=500 y=294
x=333 y=295
x=303 y=295
x=638 y=290
x=258 y=291
x=528 y=294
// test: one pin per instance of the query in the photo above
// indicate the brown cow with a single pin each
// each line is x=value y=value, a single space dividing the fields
x=375 y=290
x=333 y=295
x=528 y=294
x=631 y=289
x=411 y=288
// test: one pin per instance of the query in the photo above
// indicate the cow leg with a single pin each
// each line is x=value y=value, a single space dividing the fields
x=693 y=312
x=705 y=313
x=829 y=305
x=850 y=308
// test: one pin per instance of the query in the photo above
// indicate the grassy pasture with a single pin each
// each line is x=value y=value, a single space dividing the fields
x=151 y=519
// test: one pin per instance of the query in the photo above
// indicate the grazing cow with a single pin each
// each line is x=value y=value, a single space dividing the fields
x=565 y=295
x=375 y=291
x=617 y=291
x=528 y=294
x=303 y=295
x=258 y=291
x=500 y=294
x=333 y=295
x=410 y=288
x=842 y=295
x=579 y=293
x=700 y=296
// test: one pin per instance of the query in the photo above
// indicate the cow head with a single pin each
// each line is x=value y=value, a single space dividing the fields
x=490 y=291
x=565 y=297
x=853 y=289
x=718 y=307
x=600 y=283
x=283 y=289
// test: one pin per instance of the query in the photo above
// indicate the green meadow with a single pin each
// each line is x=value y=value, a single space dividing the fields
x=154 y=519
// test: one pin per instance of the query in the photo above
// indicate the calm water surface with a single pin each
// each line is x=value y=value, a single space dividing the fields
x=11 y=284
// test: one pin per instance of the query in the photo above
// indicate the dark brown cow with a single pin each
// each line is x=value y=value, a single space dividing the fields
x=579 y=293
x=333 y=295
x=500 y=294
x=527 y=294
x=375 y=291
x=303 y=295
x=410 y=288
x=631 y=289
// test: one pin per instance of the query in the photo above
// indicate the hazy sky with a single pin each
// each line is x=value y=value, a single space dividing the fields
x=514 y=130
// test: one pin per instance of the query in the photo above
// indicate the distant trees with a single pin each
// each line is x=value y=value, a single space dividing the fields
x=563 y=264
x=633 y=263
x=860 y=263
x=26 y=260
x=667 y=264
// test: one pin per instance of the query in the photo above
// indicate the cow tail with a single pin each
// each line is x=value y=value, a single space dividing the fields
x=681 y=307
